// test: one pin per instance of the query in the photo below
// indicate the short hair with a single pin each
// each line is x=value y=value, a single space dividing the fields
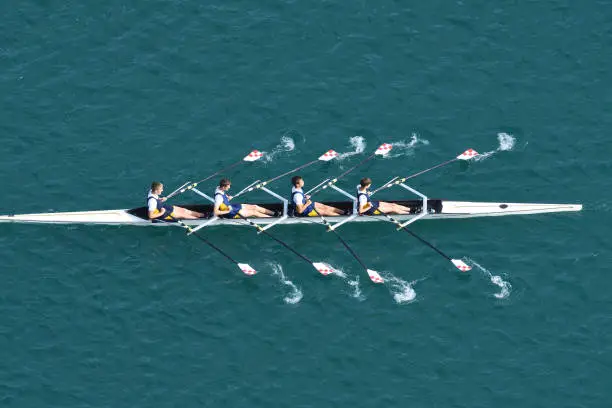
x=365 y=181
x=155 y=185
x=224 y=182
x=295 y=180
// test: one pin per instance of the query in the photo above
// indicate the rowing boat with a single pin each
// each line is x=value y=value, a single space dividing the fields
x=437 y=209
x=423 y=208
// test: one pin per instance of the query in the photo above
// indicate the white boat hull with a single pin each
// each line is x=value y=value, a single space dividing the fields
x=450 y=209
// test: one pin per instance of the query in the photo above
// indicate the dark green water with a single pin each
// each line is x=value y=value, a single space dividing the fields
x=100 y=99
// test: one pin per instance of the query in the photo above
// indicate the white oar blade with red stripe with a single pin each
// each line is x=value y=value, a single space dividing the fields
x=253 y=156
x=375 y=276
x=329 y=155
x=323 y=268
x=462 y=266
x=468 y=154
x=383 y=149
x=247 y=269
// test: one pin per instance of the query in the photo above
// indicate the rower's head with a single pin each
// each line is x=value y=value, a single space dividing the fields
x=365 y=182
x=225 y=184
x=157 y=187
x=297 y=181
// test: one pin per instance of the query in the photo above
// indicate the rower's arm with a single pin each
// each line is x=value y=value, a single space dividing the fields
x=363 y=205
x=300 y=207
x=219 y=212
x=156 y=214
x=216 y=210
x=153 y=213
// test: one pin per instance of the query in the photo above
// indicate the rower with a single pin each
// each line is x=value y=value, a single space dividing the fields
x=158 y=210
x=224 y=209
x=303 y=207
x=369 y=207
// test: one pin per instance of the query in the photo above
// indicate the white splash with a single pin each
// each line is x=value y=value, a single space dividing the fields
x=402 y=291
x=358 y=143
x=407 y=147
x=353 y=284
x=286 y=144
x=295 y=294
x=506 y=143
x=505 y=287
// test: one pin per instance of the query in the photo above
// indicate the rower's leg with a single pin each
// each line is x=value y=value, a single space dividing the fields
x=257 y=209
x=183 y=213
x=264 y=210
x=390 y=208
x=249 y=211
x=328 y=211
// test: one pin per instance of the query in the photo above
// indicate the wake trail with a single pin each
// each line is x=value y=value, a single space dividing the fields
x=506 y=143
x=287 y=144
x=358 y=143
x=352 y=283
x=294 y=294
x=505 y=287
x=401 y=290
x=407 y=147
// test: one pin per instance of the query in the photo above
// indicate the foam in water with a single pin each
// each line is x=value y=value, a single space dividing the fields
x=358 y=143
x=505 y=287
x=286 y=144
x=401 y=290
x=295 y=294
x=506 y=143
x=353 y=284
x=406 y=148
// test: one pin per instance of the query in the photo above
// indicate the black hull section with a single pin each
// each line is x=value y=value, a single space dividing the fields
x=433 y=206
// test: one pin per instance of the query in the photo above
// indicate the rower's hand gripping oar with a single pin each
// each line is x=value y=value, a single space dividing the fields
x=467 y=155
x=251 y=157
x=382 y=150
x=327 y=156
x=459 y=264
x=245 y=268
x=321 y=267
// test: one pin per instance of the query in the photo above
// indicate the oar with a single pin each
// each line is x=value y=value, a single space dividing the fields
x=374 y=276
x=327 y=156
x=251 y=157
x=323 y=268
x=381 y=151
x=246 y=268
x=467 y=155
x=459 y=264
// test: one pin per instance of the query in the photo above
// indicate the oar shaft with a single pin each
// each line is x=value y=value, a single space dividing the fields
x=396 y=222
x=201 y=238
x=265 y=183
x=221 y=171
x=401 y=180
x=431 y=168
x=428 y=244
x=336 y=179
x=357 y=258
x=260 y=229
x=215 y=247
x=291 y=171
x=184 y=188
x=341 y=240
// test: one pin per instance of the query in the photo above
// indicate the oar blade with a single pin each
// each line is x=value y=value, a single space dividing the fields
x=253 y=156
x=468 y=154
x=329 y=155
x=247 y=269
x=375 y=276
x=462 y=266
x=383 y=149
x=323 y=268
